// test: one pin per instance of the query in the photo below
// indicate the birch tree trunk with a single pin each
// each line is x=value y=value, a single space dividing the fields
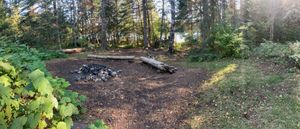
x=172 y=30
x=103 y=24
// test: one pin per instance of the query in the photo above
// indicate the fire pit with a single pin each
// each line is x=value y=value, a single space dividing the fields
x=95 y=72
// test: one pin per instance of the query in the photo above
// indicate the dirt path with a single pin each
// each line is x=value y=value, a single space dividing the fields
x=139 y=98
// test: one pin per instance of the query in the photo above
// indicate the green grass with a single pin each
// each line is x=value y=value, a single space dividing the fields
x=212 y=66
x=246 y=97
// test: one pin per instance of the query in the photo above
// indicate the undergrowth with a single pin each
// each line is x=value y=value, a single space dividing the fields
x=246 y=97
x=30 y=96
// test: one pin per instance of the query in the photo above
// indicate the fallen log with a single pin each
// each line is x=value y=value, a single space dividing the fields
x=159 y=65
x=73 y=50
x=112 y=57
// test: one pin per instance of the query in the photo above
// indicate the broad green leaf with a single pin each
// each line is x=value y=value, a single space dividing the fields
x=65 y=111
x=3 y=124
x=54 y=101
x=33 y=105
x=4 y=91
x=20 y=83
x=69 y=122
x=5 y=80
x=18 y=123
x=65 y=100
x=6 y=67
x=42 y=124
x=8 y=112
x=43 y=86
x=33 y=120
x=61 y=125
x=40 y=82
x=74 y=109
x=36 y=74
x=2 y=115
x=48 y=108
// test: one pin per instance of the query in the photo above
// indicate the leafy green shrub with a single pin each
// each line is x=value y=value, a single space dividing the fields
x=294 y=48
x=295 y=53
x=29 y=96
x=286 y=53
x=269 y=49
x=22 y=56
x=33 y=101
x=127 y=46
x=228 y=42
x=179 y=46
x=98 y=124
x=191 y=40
x=223 y=42
x=197 y=55
x=47 y=54
x=9 y=47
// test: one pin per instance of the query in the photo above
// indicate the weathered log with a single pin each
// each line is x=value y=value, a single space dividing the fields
x=73 y=50
x=159 y=65
x=112 y=57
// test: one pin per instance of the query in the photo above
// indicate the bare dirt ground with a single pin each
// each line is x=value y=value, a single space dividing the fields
x=139 y=98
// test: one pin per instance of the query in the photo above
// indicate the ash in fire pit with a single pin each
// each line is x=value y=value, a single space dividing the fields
x=95 y=72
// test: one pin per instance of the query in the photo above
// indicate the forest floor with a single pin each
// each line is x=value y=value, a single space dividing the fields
x=138 y=98
x=227 y=93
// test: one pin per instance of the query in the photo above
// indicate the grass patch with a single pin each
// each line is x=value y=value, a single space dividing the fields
x=246 y=97
x=212 y=66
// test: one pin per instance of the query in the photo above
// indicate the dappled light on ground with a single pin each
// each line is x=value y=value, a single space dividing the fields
x=246 y=94
x=196 y=121
x=218 y=76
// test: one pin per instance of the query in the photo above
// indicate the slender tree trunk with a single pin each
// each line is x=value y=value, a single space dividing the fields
x=232 y=4
x=74 y=31
x=117 y=36
x=272 y=20
x=272 y=30
x=140 y=20
x=56 y=14
x=172 y=30
x=103 y=16
x=161 y=23
x=223 y=10
x=205 y=23
x=149 y=27
x=144 y=4
x=213 y=15
x=152 y=27
x=133 y=16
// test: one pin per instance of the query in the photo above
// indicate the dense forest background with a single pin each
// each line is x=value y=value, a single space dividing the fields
x=61 y=24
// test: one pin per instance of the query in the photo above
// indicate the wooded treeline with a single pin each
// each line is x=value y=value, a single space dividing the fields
x=145 y=23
